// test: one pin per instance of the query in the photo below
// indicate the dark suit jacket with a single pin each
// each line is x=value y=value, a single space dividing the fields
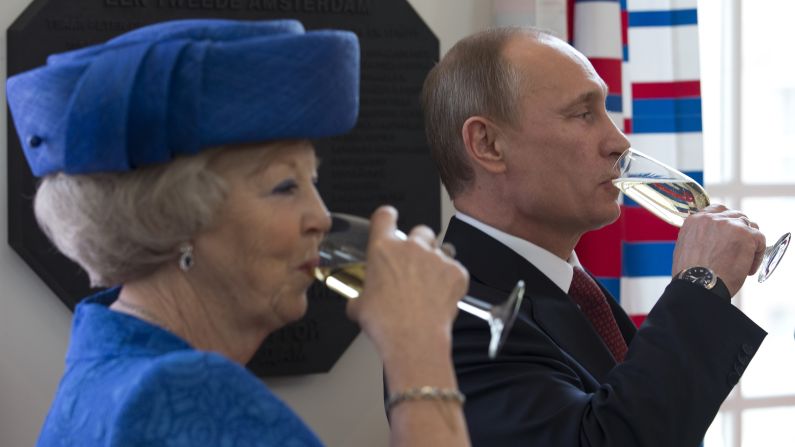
x=556 y=384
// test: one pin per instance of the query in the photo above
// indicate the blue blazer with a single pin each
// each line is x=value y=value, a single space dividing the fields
x=556 y=384
x=128 y=383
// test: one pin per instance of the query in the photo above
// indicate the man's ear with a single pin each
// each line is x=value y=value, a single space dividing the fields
x=480 y=137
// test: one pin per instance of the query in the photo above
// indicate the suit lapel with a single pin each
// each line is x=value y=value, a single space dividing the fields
x=495 y=265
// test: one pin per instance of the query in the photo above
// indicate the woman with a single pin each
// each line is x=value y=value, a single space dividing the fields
x=176 y=165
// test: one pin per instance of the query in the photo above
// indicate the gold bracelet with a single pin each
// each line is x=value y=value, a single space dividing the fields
x=425 y=393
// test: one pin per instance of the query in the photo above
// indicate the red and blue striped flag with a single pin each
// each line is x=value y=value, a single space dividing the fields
x=659 y=107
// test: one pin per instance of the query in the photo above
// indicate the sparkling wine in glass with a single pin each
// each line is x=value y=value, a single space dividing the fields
x=342 y=269
x=672 y=196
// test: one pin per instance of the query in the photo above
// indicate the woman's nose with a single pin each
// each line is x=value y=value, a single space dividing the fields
x=318 y=218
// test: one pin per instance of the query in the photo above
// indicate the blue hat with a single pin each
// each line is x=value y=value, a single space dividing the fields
x=182 y=86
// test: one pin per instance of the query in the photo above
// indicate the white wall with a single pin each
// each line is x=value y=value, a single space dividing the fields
x=34 y=325
x=344 y=406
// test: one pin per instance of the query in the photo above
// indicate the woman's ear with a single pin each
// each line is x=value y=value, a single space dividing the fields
x=480 y=140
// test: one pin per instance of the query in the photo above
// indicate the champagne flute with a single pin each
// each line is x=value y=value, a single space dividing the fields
x=342 y=268
x=672 y=196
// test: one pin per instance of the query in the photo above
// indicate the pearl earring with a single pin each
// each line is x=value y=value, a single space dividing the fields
x=186 y=257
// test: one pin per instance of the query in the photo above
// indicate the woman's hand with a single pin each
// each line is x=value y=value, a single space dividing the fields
x=410 y=292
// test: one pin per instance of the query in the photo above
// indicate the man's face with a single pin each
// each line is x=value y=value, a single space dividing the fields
x=560 y=153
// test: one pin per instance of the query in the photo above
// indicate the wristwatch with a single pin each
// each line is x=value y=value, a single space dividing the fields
x=706 y=278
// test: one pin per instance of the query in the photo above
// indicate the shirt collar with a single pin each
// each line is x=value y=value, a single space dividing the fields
x=557 y=270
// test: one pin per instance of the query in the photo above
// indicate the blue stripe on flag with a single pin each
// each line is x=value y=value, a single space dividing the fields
x=613 y=285
x=646 y=258
x=603 y=1
x=625 y=51
x=623 y=5
x=666 y=115
x=698 y=176
x=667 y=124
x=673 y=106
x=613 y=103
x=663 y=18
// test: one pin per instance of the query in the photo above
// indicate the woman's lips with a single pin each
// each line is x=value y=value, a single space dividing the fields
x=309 y=266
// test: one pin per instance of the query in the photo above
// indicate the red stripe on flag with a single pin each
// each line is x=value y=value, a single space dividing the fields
x=600 y=251
x=610 y=71
x=570 y=20
x=637 y=319
x=624 y=26
x=627 y=125
x=643 y=226
x=678 y=89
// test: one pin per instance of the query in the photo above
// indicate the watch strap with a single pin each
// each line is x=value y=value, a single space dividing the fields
x=706 y=278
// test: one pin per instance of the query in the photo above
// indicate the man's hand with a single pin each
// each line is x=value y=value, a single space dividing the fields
x=722 y=239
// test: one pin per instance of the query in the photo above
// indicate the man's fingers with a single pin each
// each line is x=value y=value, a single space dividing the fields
x=759 y=254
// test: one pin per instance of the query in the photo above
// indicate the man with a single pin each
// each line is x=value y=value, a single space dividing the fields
x=517 y=124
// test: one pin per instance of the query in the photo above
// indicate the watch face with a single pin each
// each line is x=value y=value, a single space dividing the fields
x=699 y=275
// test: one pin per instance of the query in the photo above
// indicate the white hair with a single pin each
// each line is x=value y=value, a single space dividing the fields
x=121 y=226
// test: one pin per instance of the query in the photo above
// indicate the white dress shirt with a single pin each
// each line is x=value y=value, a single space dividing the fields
x=557 y=270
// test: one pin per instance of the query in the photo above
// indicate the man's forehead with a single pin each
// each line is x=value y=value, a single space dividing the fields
x=522 y=42
x=595 y=94
x=545 y=61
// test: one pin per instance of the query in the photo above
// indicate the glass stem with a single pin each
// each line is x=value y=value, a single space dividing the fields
x=475 y=307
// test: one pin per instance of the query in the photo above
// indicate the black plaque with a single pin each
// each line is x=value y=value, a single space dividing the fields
x=384 y=160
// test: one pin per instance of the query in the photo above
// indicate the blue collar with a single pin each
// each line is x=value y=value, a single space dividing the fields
x=98 y=332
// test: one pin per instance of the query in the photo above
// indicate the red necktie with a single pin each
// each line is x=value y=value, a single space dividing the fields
x=593 y=303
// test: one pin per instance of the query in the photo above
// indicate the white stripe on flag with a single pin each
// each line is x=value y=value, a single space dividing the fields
x=663 y=53
x=690 y=151
x=658 y=5
x=683 y=151
x=626 y=91
x=597 y=29
x=638 y=295
x=618 y=119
